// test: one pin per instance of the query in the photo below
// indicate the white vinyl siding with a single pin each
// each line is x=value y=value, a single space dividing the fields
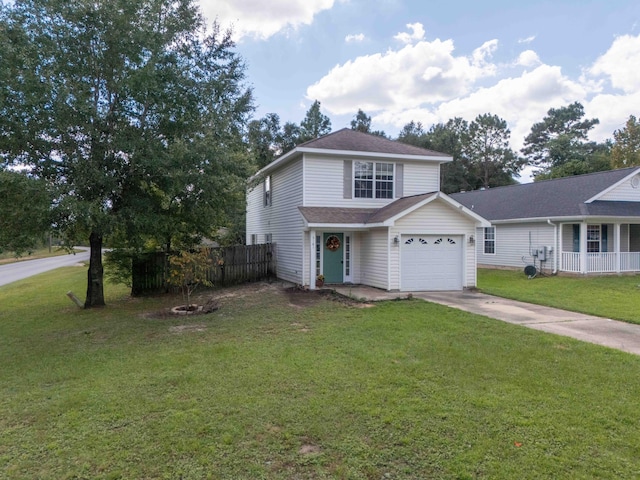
x=435 y=218
x=423 y=177
x=282 y=219
x=625 y=192
x=513 y=244
x=325 y=177
x=373 y=258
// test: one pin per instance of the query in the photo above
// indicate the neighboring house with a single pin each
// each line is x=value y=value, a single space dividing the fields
x=363 y=209
x=581 y=224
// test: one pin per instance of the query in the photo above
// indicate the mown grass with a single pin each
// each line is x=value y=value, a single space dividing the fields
x=282 y=386
x=611 y=296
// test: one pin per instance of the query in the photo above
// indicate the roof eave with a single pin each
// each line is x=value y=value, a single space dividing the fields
x=348 y=226
x=361 y=153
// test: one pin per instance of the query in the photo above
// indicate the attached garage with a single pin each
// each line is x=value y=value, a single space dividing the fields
x=431 y=262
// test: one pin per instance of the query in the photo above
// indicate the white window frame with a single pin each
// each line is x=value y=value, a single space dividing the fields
x=375 y=166
x=267 y=191
x=348 y=258
x=487 y=240
x=594 y=236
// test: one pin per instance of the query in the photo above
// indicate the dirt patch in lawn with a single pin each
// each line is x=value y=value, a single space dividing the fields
x=253 y=294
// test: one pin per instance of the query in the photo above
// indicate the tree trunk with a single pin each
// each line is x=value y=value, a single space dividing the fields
x=95 y=284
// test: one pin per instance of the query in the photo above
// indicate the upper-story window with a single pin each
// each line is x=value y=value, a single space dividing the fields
x=373 y=180
x=267 y=191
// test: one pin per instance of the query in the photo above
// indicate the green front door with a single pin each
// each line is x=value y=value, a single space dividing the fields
x=333 y=260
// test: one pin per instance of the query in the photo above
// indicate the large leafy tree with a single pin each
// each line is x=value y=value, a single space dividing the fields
x=488 y=152
x=289 y=136
x=132 y=109
x=25 y=211
x=450 y=138
x=315 y=124
x=561 y=137
x=626 y=149
x=265 y=138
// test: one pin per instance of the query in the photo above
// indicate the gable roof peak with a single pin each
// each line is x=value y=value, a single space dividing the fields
x=347 y=139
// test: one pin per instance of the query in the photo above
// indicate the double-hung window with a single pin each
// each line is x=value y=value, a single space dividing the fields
x=490 y=240
x=593 y=238
x=373 y=180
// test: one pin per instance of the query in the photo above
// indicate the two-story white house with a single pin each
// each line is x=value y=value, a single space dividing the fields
x=362 y=209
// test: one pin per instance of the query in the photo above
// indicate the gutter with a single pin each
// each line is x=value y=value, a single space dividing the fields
x=555 y=246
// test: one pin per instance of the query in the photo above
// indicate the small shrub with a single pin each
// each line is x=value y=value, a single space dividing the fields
x=188 y=270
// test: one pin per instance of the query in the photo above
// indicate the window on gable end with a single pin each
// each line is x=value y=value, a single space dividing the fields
x=267 y=191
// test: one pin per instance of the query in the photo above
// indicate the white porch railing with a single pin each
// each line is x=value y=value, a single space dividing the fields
x=601 y=262
x=630 y=261
x=570 y=262
x=605 y=262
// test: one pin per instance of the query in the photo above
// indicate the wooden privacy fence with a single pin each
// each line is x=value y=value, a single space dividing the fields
x=230 y=266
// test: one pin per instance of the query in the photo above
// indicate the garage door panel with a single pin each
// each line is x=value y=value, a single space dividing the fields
x=431 y=262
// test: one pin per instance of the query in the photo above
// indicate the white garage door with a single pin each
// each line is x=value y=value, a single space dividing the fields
x=430 y=262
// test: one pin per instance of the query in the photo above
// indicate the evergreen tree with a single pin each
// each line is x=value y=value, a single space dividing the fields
x=561 y=137
x=315 y=124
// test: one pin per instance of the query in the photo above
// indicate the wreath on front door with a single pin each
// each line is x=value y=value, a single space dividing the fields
x=333 y=243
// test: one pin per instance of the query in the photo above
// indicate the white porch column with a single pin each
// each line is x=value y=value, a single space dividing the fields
x=312 y=260
x=560 y=248
x=583 y=247
x=617 y=245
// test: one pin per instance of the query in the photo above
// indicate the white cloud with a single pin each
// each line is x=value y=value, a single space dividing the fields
x=417 y=33
x=424 y=73
x=263 y=19
x=427 y=82
x=521 y=101
x=528 y=58
x=354 y=38
x=612 y=111
x=527 y=40
x=620 y=64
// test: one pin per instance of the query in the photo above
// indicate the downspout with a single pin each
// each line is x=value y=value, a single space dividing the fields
x=555 y=246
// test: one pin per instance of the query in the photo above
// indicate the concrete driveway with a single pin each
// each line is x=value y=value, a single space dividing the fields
x=601 y=331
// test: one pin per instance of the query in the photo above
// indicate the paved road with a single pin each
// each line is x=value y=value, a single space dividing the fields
x=13 y=272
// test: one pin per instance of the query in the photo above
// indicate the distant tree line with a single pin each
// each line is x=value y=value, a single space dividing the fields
x=557 y=146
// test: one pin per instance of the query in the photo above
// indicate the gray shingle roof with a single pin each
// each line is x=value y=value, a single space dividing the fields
x=336 y=215
x=352 y=140
x=339 y=215
x=560 y=197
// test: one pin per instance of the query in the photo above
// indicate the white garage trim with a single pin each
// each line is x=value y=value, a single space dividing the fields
x=431 y=262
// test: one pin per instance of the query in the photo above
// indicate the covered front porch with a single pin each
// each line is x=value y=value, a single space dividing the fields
x=608 y=247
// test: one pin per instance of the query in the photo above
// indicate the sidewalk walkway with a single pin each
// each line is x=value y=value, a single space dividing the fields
x=601 y=331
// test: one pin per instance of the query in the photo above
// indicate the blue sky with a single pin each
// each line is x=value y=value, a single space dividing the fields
x=427 y=61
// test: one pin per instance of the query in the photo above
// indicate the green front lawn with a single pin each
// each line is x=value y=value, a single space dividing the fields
x=281 y=386
x=611 y=296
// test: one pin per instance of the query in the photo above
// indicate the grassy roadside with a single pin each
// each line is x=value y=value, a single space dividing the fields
x=612 y=296
x=10 y=257
x=282 y=385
